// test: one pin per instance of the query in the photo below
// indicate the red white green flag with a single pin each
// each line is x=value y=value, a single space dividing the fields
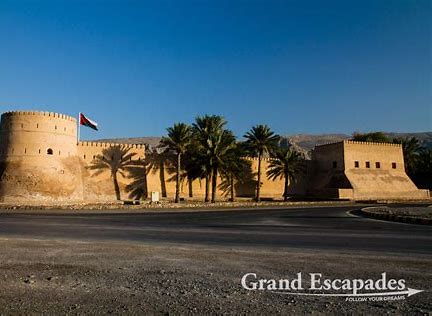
x=83 y=120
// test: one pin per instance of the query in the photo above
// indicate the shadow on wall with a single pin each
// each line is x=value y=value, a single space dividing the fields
x=157 y=163
x=115 y=160
x=138 y=189
x=247 y=186
x=2 y=170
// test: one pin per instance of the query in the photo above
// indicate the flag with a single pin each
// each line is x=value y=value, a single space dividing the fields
x=83 y=120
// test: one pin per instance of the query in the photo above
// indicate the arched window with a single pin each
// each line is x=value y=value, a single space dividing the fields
x=49 y=151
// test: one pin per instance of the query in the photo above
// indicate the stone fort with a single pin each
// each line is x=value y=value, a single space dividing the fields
x=41 y=159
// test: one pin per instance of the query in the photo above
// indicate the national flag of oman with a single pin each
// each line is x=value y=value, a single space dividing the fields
x=83 y=120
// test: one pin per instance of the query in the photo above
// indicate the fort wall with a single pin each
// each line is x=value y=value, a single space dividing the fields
x=40 y=159
x=38 y=156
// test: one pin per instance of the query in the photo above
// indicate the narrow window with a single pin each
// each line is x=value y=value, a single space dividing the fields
x=334 y=164
x=55 y=127
x=25 y=150
x=64 y=129
x=393 y=165
x=356 y=164
x=59 y=152
x=49 y=151
x=39 y=151
x=37 y=125
x=367 y=164
x=377 y=165
x=84 y=156
x=94 y=157
x=22 y=125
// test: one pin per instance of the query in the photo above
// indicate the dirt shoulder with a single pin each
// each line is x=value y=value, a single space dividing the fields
x=409 y=214
x=146 y=207
x=53 y=276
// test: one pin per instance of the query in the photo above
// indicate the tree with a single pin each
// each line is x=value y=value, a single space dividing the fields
x=117 y=160
x=212 y=141
x=287 y=164
x=260 y=140
x=411 y=149
x=376 y=137
x=177 y=140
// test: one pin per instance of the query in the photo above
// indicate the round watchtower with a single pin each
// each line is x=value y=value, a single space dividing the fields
x=38 y=156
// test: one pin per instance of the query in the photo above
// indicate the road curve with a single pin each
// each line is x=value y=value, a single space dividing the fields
x=321 y=228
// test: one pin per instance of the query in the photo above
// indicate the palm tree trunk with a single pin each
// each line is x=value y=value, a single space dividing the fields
x=116 y=186
x=162 y=177
x=258 y=189
x=214 y=184
x=190 y=183
x=177 y=193
x=207 y=187
x=286 y=188
x=145 y=185
x=232 y=188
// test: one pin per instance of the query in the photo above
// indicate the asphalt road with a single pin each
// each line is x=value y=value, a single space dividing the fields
x=322 y=228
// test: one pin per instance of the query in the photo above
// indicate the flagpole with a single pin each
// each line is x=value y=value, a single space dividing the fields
x=79 y=125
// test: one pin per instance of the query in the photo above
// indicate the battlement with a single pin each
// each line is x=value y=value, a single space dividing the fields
x=347 y=141
x=101 y=144
x=39 y=113
x=256 y=158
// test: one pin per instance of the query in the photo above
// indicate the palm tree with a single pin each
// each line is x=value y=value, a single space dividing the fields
x=212 y=140
x=287 y=164
x=177 y=140
x=375 y=137
x=260 y=141
x=411 y=149
x=117 y=160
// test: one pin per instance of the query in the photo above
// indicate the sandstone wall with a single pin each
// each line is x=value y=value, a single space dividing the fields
x=38 y=157
x=376 y=171
x=100 y=187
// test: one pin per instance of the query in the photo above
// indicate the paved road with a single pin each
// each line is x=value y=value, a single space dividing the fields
x=312 y=228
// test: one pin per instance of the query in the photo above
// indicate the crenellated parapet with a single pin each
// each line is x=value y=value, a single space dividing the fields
x=105 y=145
x=354 y=142
x=39 y=113
x=256 y=158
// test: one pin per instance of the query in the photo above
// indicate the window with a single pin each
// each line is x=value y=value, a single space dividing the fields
x=25 y=150
x=356 y=164
x=393 y=165
x=84 y=156
x=39 y=151
x=59 y=153
x=37 y=125
x=377 y=165
x=49 y=151
x=334 y=164
x=367 y=164
x=55 y=127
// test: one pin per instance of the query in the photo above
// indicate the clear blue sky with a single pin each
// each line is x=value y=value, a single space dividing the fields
x=299 y=66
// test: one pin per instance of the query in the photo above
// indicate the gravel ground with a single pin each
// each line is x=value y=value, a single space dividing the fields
x=146 y=206
x=421 y=212
x=46 y=276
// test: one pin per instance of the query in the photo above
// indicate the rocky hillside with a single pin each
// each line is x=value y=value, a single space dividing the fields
x=301 y=142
